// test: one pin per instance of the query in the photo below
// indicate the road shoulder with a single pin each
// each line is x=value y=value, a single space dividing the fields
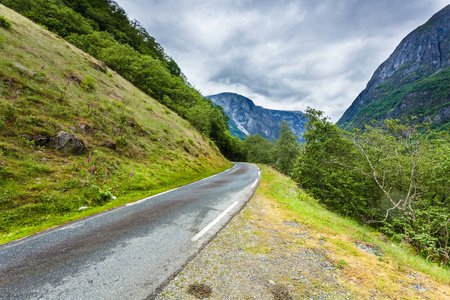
x=266 y=252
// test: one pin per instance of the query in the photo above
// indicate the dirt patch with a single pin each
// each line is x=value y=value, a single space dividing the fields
x=199 y=290
x=280 y=292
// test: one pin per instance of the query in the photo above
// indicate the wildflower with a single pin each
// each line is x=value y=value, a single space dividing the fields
x=42 y=68
x=9 y=82
x=114 y=166
x=56 y=78
x=98 y=99
x=12 y=97
x=131 y=175
x=92 y=170
x=68 y=81
x=98 y=160
x=89 y=158
x=52 y=72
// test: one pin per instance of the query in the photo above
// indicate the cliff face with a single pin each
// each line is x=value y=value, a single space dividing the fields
x=251 y=119
x=412 y=81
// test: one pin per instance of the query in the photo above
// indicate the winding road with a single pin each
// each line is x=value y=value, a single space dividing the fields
x=129 y=252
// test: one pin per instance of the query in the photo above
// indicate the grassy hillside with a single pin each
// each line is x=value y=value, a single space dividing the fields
x=135 y=146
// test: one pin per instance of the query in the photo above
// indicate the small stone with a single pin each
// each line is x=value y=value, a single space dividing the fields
x=83 y=207
x=272 y=282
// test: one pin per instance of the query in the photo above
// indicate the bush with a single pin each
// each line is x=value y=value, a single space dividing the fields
x=5 y=23
x=102 y=197
x=88 y=84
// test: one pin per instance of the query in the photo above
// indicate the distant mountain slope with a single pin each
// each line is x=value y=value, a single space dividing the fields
x=250 y=119
x=414 y=80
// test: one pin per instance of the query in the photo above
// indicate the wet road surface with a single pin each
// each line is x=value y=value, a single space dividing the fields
x=129 y=252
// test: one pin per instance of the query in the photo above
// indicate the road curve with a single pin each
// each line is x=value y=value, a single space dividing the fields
x=129 y=252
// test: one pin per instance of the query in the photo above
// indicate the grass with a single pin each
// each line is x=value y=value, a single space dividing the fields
x=341 y=234
x=136 y=147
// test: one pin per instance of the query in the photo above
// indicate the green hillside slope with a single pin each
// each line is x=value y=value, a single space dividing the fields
x=102 y=29
x=131 y=146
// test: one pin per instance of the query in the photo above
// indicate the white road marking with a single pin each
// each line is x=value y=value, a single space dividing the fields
x=254 y=184
x=214 y=222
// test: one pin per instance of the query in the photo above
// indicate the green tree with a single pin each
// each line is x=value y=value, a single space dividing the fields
x=287 y=149
x=325 y=168
x=260 y=150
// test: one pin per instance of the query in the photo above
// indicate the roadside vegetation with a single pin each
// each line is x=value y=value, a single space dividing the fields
x=285 y=244
x=392 y=176
x=343 y=232
x=126 y=145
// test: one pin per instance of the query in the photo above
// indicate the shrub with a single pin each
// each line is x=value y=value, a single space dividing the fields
x=5 y=23
x=88 y=84
x=103 y=196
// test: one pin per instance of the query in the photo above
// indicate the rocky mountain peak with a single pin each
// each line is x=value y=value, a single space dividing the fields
x=246 y=118
x=422 y=53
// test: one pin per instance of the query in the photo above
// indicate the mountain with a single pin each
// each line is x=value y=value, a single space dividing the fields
x=248 y=119
x=413 y=81
x=73 y=134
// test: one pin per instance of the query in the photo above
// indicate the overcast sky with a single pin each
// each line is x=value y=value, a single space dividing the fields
x=282 y=54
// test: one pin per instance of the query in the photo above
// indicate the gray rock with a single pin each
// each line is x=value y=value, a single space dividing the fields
x=73 y=129
x=372 y=249
x=100 y=67
x=68 y=143
x=41 y=140
x=25 y=70
x=109 y=144
x=85 y=128
x=76 y=78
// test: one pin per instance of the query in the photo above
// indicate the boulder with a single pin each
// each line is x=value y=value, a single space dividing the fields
x=68 y=143
x=100 y=67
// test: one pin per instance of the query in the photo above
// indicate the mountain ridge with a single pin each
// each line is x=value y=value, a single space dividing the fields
x=405 y=84
x=253 y=119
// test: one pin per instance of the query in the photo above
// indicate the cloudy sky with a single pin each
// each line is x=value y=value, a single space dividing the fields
x=283 y=54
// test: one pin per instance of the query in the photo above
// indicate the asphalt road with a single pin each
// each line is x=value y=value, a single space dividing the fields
x=128 y=252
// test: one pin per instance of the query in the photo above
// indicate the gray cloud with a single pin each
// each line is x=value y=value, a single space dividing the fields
x=282 y=54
